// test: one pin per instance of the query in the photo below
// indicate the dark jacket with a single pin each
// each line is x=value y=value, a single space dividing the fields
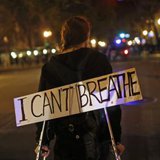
x=83 y=132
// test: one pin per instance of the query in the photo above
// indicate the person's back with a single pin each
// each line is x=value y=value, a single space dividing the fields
x=78 y=136
x=78 y=65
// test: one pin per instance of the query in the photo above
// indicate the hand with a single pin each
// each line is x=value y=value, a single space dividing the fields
x=45 y=151
x=120 y=148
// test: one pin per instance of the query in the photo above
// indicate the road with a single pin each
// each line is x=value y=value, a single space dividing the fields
x=140 y=122
x=16 y=143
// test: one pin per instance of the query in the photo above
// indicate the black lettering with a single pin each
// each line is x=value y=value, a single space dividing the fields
x=58 y=101
x=79 y=87
x=68 y=96
x=132 y=83
x=33 y=105
x=102 y=89
x=22 y=109
x=112 y=87
x=125 y=85
x=119 y=92
x=92 y=91
x=46 y=103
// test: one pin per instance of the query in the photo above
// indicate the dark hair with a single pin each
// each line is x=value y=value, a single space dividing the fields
x=75 y=30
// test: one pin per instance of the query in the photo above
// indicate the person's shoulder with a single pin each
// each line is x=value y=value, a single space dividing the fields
x=53 y=58
x=49 y=62
x=95 y=54
x=90 y=50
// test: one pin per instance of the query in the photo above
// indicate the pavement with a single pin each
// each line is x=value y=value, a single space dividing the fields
x=19 y=67
x=152 y=55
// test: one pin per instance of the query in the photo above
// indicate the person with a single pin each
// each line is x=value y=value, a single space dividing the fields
x=83 y=136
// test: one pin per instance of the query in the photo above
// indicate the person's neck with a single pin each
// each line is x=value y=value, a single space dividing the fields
x=76 y=47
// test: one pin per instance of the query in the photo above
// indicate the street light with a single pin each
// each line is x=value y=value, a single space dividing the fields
x=129 y=42
x=35 y=52
x=101 y=44
x=47 y=33
x=20 y=55
x=13 y=55
x=151 y=34
x=45 y=51
x=29 y=53
x=137 y=40
x=158 y=21
x=93 y=43
x=53 y=50
x=145 y=32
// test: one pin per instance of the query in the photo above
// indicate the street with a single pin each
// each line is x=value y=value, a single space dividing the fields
x=140 y=121
x=16 y=143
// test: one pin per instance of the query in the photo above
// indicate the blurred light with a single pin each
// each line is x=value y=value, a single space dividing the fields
x=122 y=35
x=130 y=43
x=127 y=35
x=137 y=40
x=5 y=39
x=126 y=51
x=123 y=40
x=93 y=42
x=101 y=43
x=151 y=34
x=158 y=21
x=35 y=52
x=29 y=53
x=145 y=32
x=47 y=33
x=133 y=42
x=53 y=50
x=14 y=55
x=143 y=41
x=20 y=55
x=45 y=51
x=118 y=41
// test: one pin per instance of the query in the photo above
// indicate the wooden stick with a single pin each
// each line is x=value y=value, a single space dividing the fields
x=40 y=142
x=117 y=157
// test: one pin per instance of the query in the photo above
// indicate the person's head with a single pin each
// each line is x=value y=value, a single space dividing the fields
x=75 y=31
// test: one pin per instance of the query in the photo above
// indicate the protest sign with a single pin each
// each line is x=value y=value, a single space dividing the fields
x=88 y=95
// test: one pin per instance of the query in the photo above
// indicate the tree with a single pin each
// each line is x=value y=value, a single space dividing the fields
x=6 y=29
x=26 y=20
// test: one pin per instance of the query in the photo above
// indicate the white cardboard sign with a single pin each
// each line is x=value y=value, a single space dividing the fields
x=92 y=94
